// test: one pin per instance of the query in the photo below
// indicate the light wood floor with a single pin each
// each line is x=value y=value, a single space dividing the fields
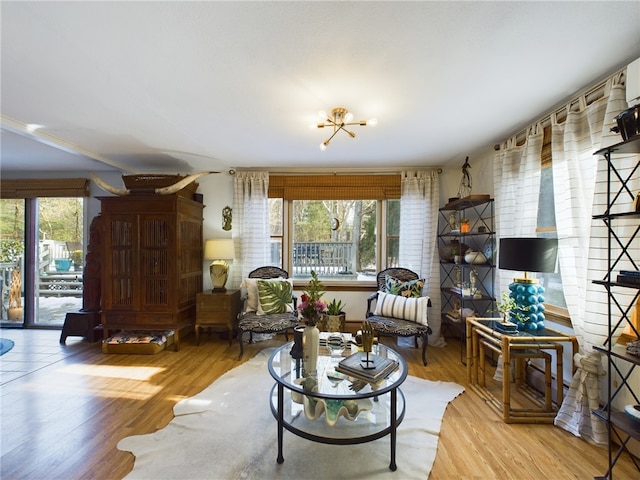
x=64 y=409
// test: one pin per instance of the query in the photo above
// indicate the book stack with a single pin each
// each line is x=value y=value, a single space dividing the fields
x=504 y=327
x=374 y=372
x=629 y=276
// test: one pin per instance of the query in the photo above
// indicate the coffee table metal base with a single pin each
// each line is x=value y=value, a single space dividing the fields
x=396 y=417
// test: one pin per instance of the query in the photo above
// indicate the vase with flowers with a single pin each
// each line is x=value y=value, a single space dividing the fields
x=311 y=309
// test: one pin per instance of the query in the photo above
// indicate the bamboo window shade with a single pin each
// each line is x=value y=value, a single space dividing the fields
x=334 y=187
x=50 y=187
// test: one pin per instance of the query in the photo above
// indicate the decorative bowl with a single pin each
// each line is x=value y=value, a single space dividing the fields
x=475 y=258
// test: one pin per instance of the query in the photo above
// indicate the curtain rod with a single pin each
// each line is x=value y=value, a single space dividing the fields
x=595 y=92
x=329 y=171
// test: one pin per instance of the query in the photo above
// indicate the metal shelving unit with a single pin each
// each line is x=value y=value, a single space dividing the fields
x=621 y=427
x=479 y=210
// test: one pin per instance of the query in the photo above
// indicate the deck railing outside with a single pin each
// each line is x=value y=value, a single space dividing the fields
x=325 y=258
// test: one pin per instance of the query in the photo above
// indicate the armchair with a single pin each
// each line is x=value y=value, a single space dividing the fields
x=399 y=312
x=252 y=319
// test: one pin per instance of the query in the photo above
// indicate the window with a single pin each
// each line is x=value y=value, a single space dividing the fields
x=41 y=224
x=552 y=282
x=331 y=224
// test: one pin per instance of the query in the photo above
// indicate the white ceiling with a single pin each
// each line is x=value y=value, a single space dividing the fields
x=189 y=86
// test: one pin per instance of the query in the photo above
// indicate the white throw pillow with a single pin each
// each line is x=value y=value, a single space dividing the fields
x=396 y=306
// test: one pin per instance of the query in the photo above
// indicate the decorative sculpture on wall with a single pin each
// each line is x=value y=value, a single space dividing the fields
x=465 y=181
x=226 y=218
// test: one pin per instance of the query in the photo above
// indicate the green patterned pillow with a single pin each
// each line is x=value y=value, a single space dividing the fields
x=275 y=296
x=410 y=289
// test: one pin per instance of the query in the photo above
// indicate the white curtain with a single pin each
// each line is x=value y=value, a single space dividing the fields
x=419 y=238
x=582 y=244
x=580 y=186
x=250 y=223
x=516 y=172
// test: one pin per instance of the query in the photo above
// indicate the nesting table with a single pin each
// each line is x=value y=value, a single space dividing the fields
x=545 y=344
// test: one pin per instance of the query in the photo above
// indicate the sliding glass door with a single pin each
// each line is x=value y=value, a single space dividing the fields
x=41 y=260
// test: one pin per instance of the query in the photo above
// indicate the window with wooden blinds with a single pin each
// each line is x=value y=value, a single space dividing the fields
x=40 y=188
x=334 y=187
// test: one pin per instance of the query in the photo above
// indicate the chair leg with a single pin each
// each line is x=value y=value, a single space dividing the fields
x=240 y=332
x=425 y=340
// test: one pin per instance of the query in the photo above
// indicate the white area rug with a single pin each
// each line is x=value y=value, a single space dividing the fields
x=228 y=432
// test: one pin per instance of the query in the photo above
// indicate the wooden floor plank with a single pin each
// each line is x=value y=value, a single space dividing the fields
x=63 y=417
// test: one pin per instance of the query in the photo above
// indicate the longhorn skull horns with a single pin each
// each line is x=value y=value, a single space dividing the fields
x=169 y=190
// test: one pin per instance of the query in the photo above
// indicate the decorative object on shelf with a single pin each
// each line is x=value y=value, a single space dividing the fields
x=636 y=203
x=311 y=309
x=339 y=119
x=633 y=412
x=465 y=225
x=449 y=250
x=453 y=222
x=219 y=250
x=475 y=258
x=528 y=255
x=158 y=184
x=226 y=218
x=465 y=181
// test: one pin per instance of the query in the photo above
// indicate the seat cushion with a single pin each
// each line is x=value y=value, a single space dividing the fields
x=410 y=288
x=272 y=323
x=396 y=326
x=396 y=306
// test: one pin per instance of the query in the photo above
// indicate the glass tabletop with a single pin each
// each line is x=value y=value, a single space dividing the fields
x=329 y=383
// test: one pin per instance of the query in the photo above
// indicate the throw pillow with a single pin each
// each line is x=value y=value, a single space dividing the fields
x=252 y=301
x=275 y=296
x=412 y=288
x=396 y=306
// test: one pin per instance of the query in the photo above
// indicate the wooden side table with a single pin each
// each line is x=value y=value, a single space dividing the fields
x=482 y=335
x=217 y=310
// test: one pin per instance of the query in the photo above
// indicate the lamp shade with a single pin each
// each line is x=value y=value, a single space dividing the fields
x=219 y=249
x=528 y=254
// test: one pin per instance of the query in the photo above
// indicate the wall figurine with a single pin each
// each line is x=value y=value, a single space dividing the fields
x=226 y=218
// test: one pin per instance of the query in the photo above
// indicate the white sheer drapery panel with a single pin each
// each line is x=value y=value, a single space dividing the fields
x=516 y=171
x=419 y=238
x=250 y=223
x=580 y=189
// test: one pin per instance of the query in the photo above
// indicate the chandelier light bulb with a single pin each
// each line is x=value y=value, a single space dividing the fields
x=323 y=145
x=348 y=117
x=372 y=122
x=322 y=114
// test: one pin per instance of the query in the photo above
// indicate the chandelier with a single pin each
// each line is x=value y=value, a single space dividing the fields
x=339 y=119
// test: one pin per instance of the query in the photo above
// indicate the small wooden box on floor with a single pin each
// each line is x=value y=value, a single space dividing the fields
x=217 y=310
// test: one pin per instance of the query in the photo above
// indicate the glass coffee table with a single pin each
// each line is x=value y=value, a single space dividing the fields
x=334 y=408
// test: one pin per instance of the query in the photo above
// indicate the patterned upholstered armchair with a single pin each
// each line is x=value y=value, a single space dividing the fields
x=400 y=309
x=279 y=317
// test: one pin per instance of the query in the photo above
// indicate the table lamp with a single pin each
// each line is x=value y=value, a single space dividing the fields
x=528 y=255
x=219 y=250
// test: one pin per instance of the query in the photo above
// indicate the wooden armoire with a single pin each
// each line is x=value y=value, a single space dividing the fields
x=151 y=262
